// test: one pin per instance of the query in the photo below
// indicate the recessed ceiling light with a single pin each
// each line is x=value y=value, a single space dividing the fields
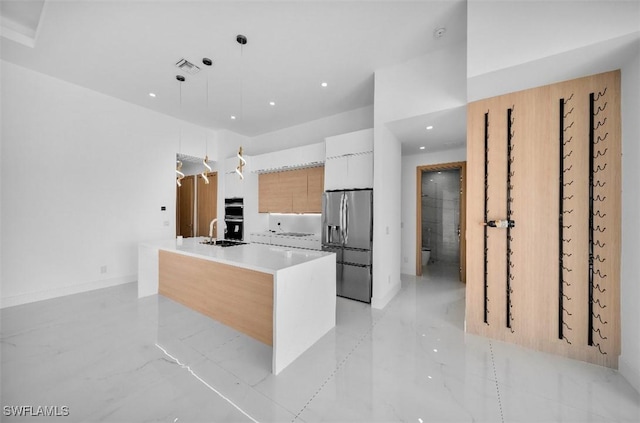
x=324 y=84
x=233 y=117
x=439 y=173
x=272 y=103
x=422 y=148
x=152 y=94
x=430 y=127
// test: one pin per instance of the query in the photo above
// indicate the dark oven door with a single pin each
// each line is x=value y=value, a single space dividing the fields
x=234 y=229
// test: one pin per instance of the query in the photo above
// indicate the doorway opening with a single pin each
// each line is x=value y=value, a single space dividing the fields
x=196 y=200
x=440 y=216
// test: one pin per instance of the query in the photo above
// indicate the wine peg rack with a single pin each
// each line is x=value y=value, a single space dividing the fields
x=597 y=164
x=486 y=215
x=566 y=183
x=510 y=174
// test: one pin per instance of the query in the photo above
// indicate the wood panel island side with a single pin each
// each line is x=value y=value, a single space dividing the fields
x=283 y=297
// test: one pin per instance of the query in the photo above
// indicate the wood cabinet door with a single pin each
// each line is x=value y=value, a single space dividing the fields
x=207 y=204
x=184 y=207
x=315 y=188
x=298 y=190
x=286 y=186
x=267 y=192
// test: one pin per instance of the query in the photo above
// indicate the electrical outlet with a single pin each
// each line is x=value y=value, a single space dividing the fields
x=103 y=269
x=387 y=230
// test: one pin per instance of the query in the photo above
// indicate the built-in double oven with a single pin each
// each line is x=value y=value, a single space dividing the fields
x=234 y=218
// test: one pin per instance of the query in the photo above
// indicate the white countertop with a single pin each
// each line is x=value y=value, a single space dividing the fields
x=259 y=257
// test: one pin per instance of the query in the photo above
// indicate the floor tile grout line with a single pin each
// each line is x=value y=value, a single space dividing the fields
x=495 y=375
x=340 y=365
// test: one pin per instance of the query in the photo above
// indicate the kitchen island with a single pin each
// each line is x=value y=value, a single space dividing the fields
x=282 y=297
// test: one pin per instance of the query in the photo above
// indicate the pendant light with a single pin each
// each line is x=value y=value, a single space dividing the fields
x=207 y=62
x=179 y=173
x=204 y=162
x=241 y=163
x=242 y=40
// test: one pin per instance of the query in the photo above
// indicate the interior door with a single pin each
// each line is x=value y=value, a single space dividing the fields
x=184 y=207
x=208 y=204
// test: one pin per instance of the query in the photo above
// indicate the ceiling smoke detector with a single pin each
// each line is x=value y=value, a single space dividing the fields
x=439 y=32
x=187 y=66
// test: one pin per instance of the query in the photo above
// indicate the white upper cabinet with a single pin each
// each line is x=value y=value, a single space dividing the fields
x=349 y=161
x=291 y=158
x=233 y=185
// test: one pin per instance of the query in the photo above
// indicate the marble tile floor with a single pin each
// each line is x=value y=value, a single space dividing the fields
x=110 y=357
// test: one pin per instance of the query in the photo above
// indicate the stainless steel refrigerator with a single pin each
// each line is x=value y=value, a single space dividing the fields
x=347 y=230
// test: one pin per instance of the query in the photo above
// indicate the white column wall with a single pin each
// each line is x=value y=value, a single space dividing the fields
x=386 y=216
x=629 y=363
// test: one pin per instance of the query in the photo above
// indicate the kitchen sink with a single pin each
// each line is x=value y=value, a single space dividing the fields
x=223 y=243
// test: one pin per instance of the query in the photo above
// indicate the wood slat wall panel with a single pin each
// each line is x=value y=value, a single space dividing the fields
x=536 y=208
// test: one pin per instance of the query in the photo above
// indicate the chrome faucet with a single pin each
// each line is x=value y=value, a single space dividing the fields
x=211 y=225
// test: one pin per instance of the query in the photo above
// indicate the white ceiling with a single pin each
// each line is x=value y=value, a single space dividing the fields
x=127 y=49
x=449 y=131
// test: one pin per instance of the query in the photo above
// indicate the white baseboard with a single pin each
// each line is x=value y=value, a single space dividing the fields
x=48 y=294
x=381 y=303
x=632 y=374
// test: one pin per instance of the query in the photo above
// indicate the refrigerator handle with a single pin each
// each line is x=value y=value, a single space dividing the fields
x=342 y=217
x=346 y=219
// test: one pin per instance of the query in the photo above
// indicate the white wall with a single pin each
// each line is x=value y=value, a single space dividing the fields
x=629 y=364
x=386 y=215
x=409 y=229
x=84 y=177
x=502 y=34
x=426 y=84
x=588 y=60
x=312 y=132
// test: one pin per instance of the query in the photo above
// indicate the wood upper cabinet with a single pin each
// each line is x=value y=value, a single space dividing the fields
x=291 y=191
